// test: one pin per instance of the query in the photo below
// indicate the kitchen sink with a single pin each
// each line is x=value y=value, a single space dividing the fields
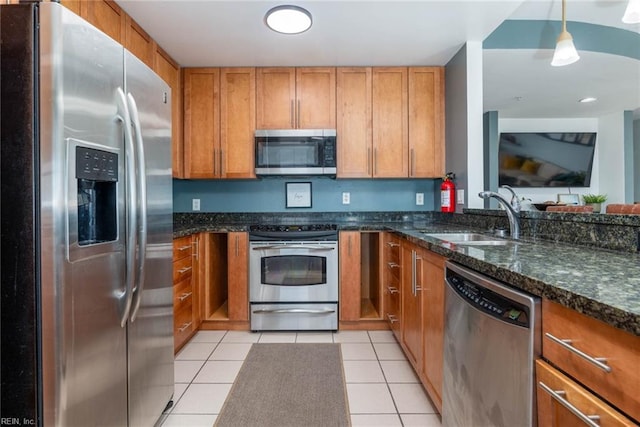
x=470 y=239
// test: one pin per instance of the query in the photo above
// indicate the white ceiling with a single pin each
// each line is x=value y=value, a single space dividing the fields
x=418 y=32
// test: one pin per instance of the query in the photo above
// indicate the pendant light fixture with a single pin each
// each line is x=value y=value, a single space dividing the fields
x=565 y=52
x=632 y=13
x=288 y=19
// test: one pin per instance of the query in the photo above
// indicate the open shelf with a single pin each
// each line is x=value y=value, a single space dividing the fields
x=370 y=288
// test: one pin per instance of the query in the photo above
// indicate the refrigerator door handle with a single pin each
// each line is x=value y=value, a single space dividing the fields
x=141 y=182
x=131 y=191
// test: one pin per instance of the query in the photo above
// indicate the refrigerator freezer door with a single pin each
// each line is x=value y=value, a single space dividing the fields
x=150 y=330
x=84 y=347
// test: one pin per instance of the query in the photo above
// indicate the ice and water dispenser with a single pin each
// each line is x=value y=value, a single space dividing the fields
x=97 y=179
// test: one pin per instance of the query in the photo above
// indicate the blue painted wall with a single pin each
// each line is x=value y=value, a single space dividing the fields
x=268 y=195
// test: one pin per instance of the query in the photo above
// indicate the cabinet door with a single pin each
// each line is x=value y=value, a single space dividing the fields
x=426 y=122
x=169 y=71
x=201 y=122
x=554 y=388
x=350 y=274
x=138 y=42
x=275 y=95
x=411 y=311
x=237 y=122
x=390 y=125
x=73 y=5
x=433 y=325
x=354 y=92
x=316 y=98
x=108 y=17
x=238 y=278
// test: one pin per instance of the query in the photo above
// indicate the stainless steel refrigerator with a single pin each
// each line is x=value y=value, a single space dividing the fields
x=86 y=217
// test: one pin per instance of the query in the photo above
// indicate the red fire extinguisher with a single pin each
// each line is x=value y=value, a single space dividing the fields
x=448 y=193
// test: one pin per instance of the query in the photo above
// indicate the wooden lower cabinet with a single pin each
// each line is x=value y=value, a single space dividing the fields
x=226 y=280
x=186 y=313
x=602 y=358
x=361 y=300
x=557 y=393
x=422 y=315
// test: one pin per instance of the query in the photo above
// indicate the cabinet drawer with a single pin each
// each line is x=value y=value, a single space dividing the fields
x=562 y=402
x=182 y=248
x=182 y=269
x=575 y=342
x=182 y=294
x=183 y=324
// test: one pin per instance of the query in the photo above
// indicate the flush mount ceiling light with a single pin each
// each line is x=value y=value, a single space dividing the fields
x=565 y=52
x=588 y=99
x=288 y=19
x=632 y=13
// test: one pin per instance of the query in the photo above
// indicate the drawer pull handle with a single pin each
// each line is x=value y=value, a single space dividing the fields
x=185 y=296
x=184 y=327
x=392 y=318
x=558 y=395
x=184 y=270
x=392 y=289
x=600 y=362
x=184 y=248
x=393 y=265
x=393 y=244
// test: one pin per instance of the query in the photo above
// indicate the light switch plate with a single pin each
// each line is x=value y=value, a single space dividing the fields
x=195 y=204
x=460 y=197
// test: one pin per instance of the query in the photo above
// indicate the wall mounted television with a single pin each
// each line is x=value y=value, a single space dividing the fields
x=540 y=159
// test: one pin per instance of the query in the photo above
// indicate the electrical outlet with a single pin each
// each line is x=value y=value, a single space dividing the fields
x=346 y=198
x=460 y=197
x=195 y=204
x=419 y=199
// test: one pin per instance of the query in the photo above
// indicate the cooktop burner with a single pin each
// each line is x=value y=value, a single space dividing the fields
x=293 y=228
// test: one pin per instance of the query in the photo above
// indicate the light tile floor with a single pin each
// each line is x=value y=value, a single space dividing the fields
x=382 y=388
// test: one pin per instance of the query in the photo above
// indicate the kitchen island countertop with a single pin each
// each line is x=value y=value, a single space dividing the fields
x=600 y=283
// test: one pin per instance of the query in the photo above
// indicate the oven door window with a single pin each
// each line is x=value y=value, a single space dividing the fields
x=293 y=270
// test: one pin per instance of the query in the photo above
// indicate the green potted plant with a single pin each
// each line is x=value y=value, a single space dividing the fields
x=594 y=200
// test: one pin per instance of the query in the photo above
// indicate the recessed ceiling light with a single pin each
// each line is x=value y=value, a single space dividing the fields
x=288 y=19
x=588 y=99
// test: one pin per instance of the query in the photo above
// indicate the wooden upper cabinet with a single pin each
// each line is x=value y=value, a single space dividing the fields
x=237 y=122
x=169 y=71
x=316 y=98
x=390 y=124
x=290 y=98
x=138 y=42
x=73 y=5
x=353 y=120
x=426 y=122
x=201 y=122
x=276 y=88
x=107 y=16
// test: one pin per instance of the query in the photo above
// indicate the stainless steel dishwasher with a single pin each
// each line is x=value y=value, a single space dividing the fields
x=491 y=339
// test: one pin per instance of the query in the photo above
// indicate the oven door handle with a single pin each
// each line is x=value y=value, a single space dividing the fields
x=293 y=310
x=309 y=247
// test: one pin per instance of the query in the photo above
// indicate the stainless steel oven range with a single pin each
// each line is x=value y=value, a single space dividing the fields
x=293 y=277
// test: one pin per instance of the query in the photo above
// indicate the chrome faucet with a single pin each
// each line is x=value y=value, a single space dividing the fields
x=512 y=207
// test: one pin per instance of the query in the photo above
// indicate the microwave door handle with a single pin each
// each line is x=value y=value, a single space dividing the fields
x=132 y=215
x=310 y=247
x=141 y=182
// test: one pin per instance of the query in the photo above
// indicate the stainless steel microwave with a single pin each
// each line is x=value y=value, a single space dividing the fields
x=296 y=152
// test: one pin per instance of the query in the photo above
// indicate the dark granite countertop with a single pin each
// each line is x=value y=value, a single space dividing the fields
x=600 y=283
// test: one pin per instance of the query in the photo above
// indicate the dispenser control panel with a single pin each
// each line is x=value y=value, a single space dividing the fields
x=96 y=165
